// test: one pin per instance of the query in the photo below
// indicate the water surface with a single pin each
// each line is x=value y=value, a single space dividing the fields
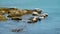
x=50 y=25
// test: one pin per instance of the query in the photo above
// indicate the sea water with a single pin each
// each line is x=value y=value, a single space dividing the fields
x=50 y=25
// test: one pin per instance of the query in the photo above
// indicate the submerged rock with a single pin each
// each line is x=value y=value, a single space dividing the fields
x=31 y=21
x=16 y=18
x=17 y=30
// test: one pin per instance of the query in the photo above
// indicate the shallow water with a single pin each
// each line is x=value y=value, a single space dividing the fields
x=50 y=25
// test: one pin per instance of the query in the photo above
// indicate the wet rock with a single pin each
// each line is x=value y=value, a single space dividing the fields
x=2 y=17
x=15 y=14
x=16 y=18
x=9 y=16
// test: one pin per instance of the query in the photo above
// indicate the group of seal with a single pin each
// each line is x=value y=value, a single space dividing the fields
x=16 y=14
x=38 y=15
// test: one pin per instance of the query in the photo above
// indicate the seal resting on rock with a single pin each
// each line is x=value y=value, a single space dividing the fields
x=33 y=20
x=36 y=12
x=43 y=16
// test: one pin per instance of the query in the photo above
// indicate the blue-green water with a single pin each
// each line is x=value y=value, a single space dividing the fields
x=50 y=25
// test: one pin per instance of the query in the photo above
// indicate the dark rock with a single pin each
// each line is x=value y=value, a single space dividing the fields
x=9 y=16
x=31 y=22
x=12 y=8
x=17 y=30
x=39 y=19
x=16 y=18
x=8 y=12
x=34 y=10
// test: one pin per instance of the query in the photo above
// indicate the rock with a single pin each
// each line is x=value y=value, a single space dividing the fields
x=15 y=13
x=29 y=21
x=2 y=17
x=26 y=12
x=12 y=8
x=3 y=11
x=16 y=18
x=17 y=30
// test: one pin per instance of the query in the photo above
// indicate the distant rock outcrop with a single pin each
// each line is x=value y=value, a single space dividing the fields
x=15 y=13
